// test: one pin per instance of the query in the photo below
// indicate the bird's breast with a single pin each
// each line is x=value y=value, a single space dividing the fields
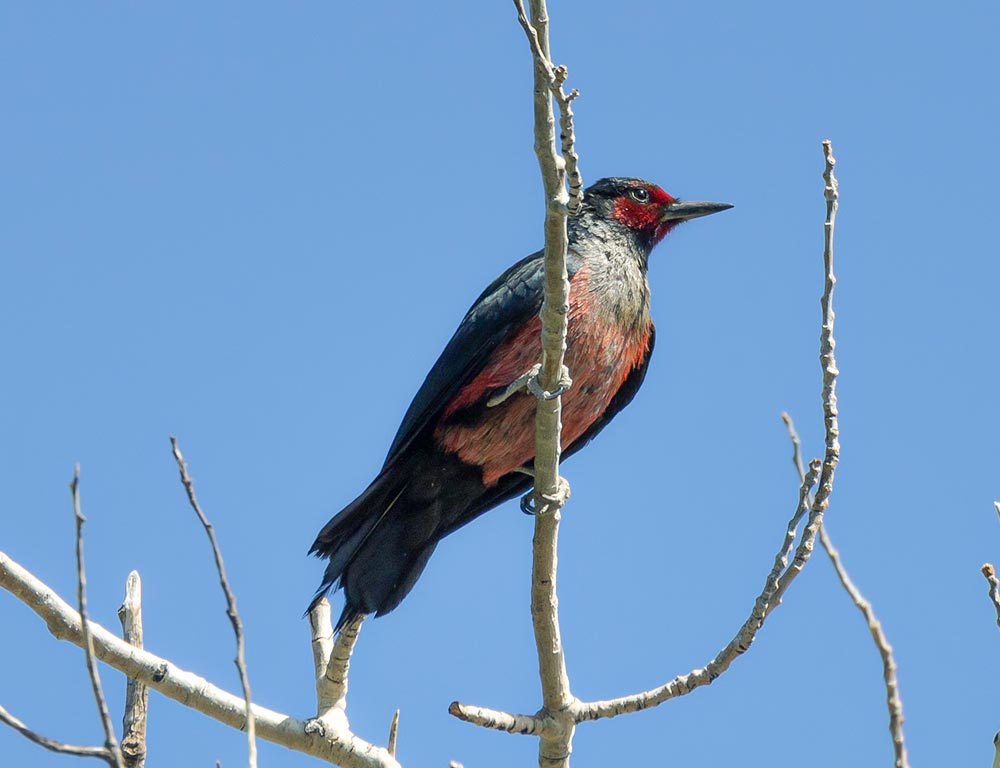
x=608 y=336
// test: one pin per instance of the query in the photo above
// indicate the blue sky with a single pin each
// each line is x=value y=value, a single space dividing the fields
x=255 y=227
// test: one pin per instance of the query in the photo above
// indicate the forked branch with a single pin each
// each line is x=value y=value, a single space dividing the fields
x=551 y=725
x=341 y=747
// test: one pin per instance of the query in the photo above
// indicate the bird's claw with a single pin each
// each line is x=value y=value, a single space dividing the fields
x=565 y=382
x=555 y=500
x=518 y=384
x=529 y=381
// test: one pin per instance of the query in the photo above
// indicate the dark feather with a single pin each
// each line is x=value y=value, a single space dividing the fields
x=507 y=303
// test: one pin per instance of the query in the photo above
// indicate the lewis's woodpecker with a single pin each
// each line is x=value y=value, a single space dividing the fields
x=459 y=452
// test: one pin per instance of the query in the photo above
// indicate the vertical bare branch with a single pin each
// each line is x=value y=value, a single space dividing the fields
x=991 y=578
x=551 y=491
x=555 y=77
x=110 y=741
x=994 y=592
x=894 y=701
x=234 y=616
x=393 y=733
x=331 y=659
x=827 y=342
x=136 y=693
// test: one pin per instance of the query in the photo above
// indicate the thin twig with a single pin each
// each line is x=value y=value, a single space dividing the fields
x=187 y=688
x=136 y=693
x=991 y=577
x=110 y=741
x=52 y=745
x=555 y=76
x=828 y=343
x=796 y=445
x=494 y=719
x=741 y=642
x=393 y=733
x=893 y=700
x=828 y=362
x=234 y=616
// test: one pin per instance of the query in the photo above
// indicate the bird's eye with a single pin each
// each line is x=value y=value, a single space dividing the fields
x=639 y=194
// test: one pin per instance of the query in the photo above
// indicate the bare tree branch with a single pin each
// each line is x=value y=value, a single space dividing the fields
x=54 y=746
x=991 y=577
x=555 y=723
x=136 y=694
x=110 y=741
x=551 y=491
x=342 y=748
x=684 y=684
x=393 y=733
x=782 y=572
x=555 y=77
x=893 y=700
x=332 y=663
x=827 y=342
x=484 y=717
x=538 y=725
x=234 y=616
x=561 y=711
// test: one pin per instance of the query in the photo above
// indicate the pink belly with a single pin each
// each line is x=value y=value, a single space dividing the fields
x=599 y=360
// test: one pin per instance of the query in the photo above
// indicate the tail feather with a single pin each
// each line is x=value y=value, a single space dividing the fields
x=343 y=537
x=379 y=544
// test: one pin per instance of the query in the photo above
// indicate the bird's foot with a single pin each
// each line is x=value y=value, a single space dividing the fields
x=529 y=381
x=549 y=501
x=521 y=382
x=565 y=382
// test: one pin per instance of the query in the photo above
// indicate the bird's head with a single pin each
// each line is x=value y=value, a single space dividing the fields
x=642 y=208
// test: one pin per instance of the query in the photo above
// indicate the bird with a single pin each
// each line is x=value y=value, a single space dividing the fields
x=467 y=442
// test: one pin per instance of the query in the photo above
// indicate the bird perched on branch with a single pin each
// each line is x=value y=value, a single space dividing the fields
x=467 y=441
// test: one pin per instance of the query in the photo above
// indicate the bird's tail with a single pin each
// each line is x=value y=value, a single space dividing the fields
x=372 y=549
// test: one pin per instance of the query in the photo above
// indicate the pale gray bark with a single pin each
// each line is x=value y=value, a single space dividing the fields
x=335 y=746
x=136 y=694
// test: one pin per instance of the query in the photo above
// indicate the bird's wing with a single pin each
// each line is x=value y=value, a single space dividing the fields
x=508 y=302
x=620 y=399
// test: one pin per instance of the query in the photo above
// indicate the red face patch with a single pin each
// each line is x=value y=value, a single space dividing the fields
x=643 y=216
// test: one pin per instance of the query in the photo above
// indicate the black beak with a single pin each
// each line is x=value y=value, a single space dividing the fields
x=686 y=209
